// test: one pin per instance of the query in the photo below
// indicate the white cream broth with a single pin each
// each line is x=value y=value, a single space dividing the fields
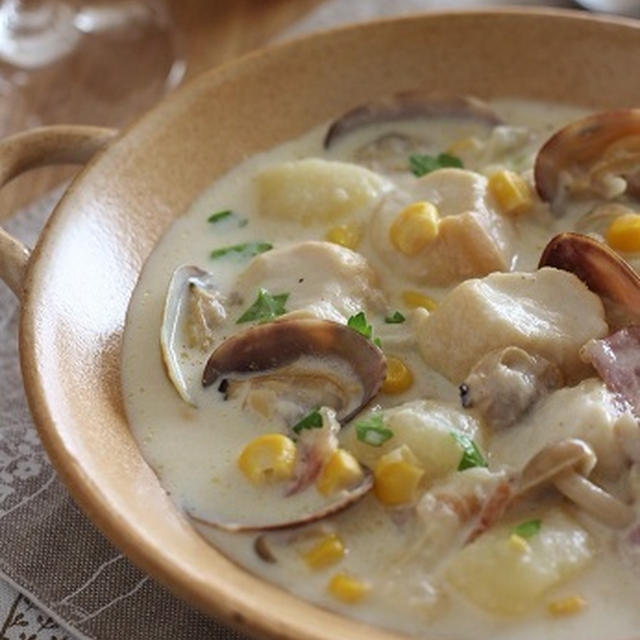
x=422 y=572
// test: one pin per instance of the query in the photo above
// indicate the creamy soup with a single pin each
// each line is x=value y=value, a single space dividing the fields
x=346 y=368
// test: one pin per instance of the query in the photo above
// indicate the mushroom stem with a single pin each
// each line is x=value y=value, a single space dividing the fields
x=594 y=500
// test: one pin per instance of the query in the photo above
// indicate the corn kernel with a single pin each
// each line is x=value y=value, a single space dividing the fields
x=415 y=299
x=567 y=606
x=415 y=227
x=399 y=377
x=268 y=458
x=511 y=191
x=341 y=471
x=463 y=145
x=397 y=476
x=518 y=543
x=346 y=235
x=348 y=589
x=624 y=233
x=327 y=552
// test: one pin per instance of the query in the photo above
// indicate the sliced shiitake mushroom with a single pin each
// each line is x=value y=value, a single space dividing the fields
x=597 y=265
x=410 y=104
x=307 y=348
x=597 y=155
x=193 y=308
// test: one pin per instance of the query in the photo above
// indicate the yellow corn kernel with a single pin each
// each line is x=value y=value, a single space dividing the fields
x=624 y=233
x=567 y=606
x=399 y=377
x=511 y=191
x=268 y=458
x=348 y=589
x=341 y=471
x=415 y=299
x=415 y=227
x=327 y=552
x=346 y=235
x=518 y=543
x=397 y=476
x=468 y=144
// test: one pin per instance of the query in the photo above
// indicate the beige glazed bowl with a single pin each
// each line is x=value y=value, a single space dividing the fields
x=76 y=284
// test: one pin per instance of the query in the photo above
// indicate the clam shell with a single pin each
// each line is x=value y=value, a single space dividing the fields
x=173 y=322
x=410 y=104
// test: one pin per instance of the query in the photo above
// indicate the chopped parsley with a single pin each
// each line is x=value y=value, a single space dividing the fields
x=359 y=323
x=246 y=250
x=219 y=215
x=420 y=164
x=372 y=430
x=471 y=456
x=528 y=528
x=265 y=308
x=311 y=421
x=395 y=318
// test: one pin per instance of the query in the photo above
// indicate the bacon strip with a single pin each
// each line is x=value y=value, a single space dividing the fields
x=616 y=358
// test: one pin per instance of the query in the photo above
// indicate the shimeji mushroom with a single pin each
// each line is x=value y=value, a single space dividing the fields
x=566 y=465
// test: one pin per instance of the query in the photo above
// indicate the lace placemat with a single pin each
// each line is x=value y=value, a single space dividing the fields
x=59 y=577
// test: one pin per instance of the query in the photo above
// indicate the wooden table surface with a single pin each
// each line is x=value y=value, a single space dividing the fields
x=208 y=33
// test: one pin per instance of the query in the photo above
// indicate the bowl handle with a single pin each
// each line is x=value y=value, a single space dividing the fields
x=58 y=144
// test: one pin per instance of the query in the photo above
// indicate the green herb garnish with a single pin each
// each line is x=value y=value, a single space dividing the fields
x=423 y=164
x=359 y=323
x=265 y=308
x=311 y=421
x=372 y=431
x=219 y=215
x=395 y=318
x=471 y=456
x=528 y=528
x=247 y=250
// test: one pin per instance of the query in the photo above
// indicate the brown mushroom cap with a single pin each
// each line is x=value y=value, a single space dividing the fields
x=274 y=346
x=597 y=265
x=566 y=464
x=606 y=142
x=410 y=104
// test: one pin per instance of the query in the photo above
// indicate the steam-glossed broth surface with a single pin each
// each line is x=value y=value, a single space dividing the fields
x=450 y=542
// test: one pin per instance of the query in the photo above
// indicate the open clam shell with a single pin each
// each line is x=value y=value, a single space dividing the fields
x=597 y=265
x=410 y=104
x=325 y=349
x=287 y=512
x=586 y=155
x=187 y=282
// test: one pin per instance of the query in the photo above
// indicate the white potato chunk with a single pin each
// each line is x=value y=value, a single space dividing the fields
x=314 y=190
x=548 y=312
x=507 y=577
x=322 y=279
x=588 y=411
x=425 y=426
x=473 y=238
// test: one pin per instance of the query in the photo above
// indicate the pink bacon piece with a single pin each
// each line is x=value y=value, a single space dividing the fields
x=616 y=358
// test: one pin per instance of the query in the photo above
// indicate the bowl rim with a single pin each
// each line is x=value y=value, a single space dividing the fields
x=234 y=612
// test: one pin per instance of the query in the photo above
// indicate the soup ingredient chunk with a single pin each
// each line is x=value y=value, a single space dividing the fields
x=424 y=426
x=314 y=191
x=323 y=280
x=443 y=229
x=588 y=411
x=504 y=577
x=548 y=312
x=505 y=383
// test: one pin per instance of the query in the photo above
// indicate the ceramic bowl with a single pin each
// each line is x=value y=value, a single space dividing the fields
x=76 y=284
